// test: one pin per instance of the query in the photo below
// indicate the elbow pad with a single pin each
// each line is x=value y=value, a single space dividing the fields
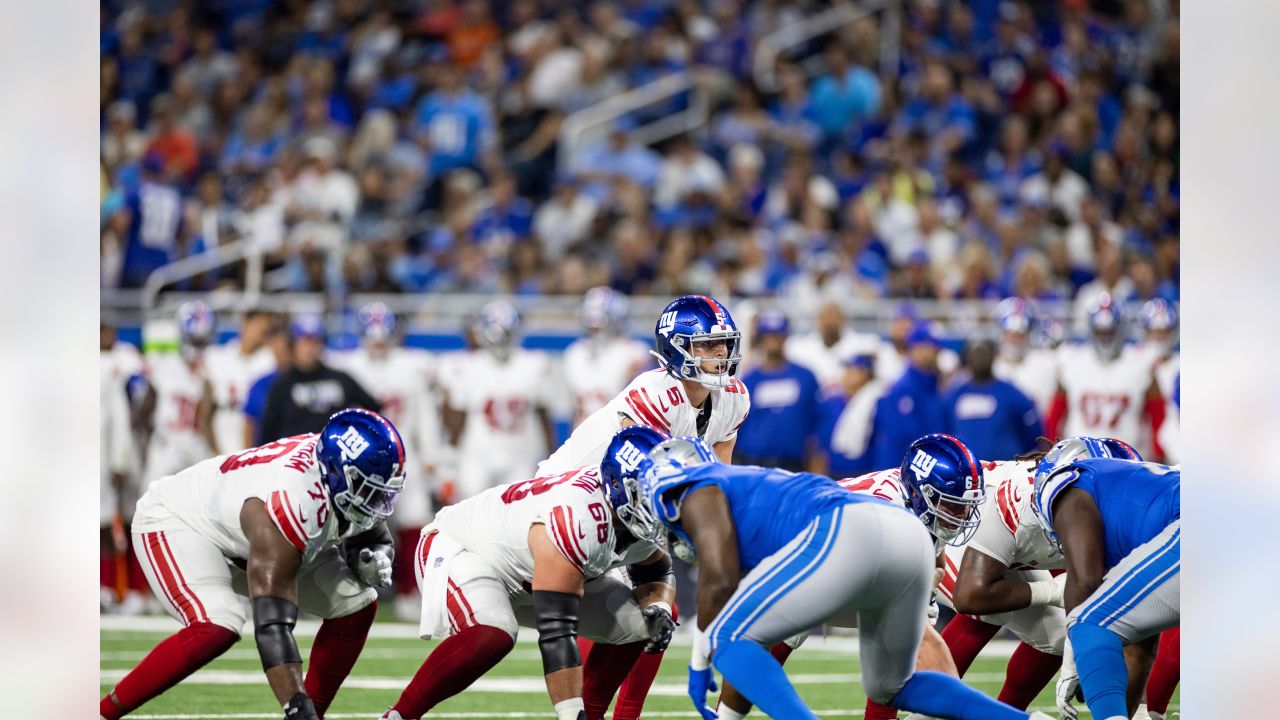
x=557 y=620
x=273 y=621
x=659 y=571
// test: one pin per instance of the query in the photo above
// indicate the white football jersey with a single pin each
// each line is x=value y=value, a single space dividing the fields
x=500 y=400
x=116 y=439
x=231 y=373
x=399 y=380
x=596 y=369
x=121 y=362
x=175 y=441
x=655 y=399
x=572 y=509
x=208 y=496
x=1009 y=531
x=827 y=363
x=1036 y=375
x=1105 y=399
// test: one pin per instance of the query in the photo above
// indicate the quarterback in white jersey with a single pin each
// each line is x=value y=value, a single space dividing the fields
x=538 y=553
x=178 y=400
x=1106 y=382
x=296 y=523
x=695 y=392
x=232 y=369
x=597 y=366
x=496 y=404
x=1032 y=370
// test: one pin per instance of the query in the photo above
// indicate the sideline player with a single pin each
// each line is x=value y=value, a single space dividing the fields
x=296 y=523
x=780 y=552
x=1106 y=383
x=498 y=396
x=177 y=402
x=398 y=378
x=231 y=369
x=538 y=553
x=600 y=364
x=694 y=391
x=1123 y=582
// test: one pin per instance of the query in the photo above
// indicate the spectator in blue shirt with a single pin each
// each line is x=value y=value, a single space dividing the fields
x=455 y=126
x=154 y=210
x=912 y=406
x=939 y=113
x=846 y=412
x=844 y=97
x=617 y=157
x=995 y=419
x=780 y=430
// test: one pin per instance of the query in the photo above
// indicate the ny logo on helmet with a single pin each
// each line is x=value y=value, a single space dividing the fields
x=629 y=457
x=667 y=322
x=922 y=464
x=352 y=444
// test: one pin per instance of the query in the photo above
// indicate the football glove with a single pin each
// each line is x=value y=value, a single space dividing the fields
x=660 y=625
x=373 y=566
x=1068 y=685
x=701 y=678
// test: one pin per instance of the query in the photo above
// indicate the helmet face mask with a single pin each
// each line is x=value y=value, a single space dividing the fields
x=361 y=458
x=495 y=329
x=696 y=339
x=944 y=487
x=195 y=329
x=604 y=312
x=1106 y=329
x=625 y=460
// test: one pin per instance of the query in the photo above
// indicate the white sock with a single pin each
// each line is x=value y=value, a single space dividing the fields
x=728 y=713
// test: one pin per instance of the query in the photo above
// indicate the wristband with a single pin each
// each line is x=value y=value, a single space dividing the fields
x=664 y=605
x=701 y=657
x=571 y=709
x=1045 y=592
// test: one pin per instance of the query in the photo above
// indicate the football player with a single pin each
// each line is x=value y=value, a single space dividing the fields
x=1123 y=582
x=399 y=378
x=694 y=391
x=538 y=553
x=600 y=364
x=296 y=523
x=231 y=369
x=1106 y=384
x=177 y=403
x=780 y=552
x=946 y=478
x=498 y=397
x=1033 y=370
x=1159 y=320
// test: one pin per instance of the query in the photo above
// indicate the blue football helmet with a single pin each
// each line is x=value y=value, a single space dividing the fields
x=1049 y=483
x=1016 y=321
x=495 y=328
x=195 y=327
x=1159 y=319
x=604 y=311
x=377 y=323
x=1106 y=327
x=691 y=321
x=361 y=458
x=666 y=471
x=945 y=488
x=624 y=461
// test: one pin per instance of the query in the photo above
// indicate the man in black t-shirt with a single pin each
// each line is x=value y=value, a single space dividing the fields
x=303 y=397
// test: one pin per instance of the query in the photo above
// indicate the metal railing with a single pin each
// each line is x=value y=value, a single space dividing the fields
x=235 y=251
x=589 y=124
x=771 y=46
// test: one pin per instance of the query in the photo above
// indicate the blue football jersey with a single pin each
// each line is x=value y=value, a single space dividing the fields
x=1136 y=500
x=770 y=507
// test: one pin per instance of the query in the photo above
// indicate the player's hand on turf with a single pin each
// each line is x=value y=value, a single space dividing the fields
x=660 y=625
x=374 y=568
x=300 y=707
x=700 y=683
x=1068 y=686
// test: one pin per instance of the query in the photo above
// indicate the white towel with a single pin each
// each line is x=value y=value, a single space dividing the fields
x=853 y=429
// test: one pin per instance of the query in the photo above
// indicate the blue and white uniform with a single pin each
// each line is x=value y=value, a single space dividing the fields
x=1140 y=594
x=812 y=552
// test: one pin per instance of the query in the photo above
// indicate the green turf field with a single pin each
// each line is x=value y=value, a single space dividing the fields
x=233 y=686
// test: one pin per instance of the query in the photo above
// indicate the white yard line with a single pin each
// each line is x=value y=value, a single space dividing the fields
x=1001 y=647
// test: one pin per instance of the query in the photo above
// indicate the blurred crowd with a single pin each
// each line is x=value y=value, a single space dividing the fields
x=1024 y=148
